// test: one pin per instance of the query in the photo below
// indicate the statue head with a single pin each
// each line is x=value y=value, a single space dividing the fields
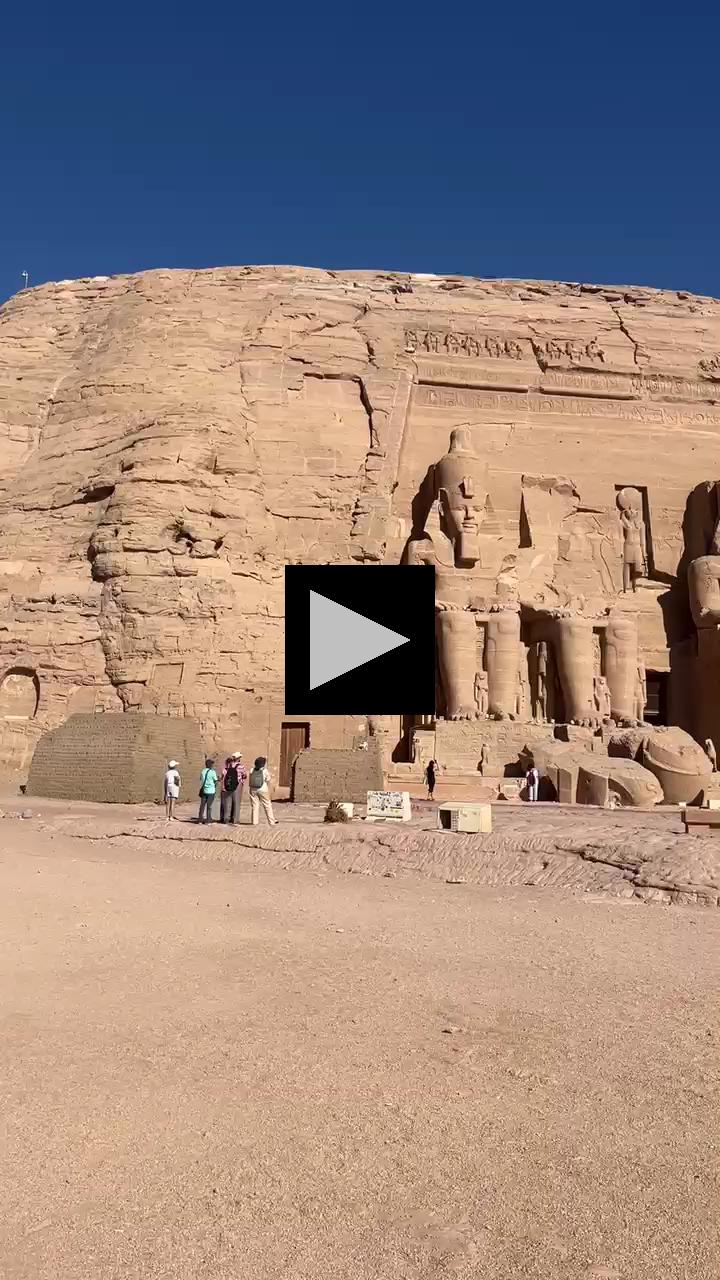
x=461 y=489
x=461 y=441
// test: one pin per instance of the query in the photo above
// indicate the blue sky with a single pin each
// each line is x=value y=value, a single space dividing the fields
x=575 y=142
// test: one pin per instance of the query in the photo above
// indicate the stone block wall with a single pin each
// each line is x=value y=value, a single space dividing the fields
x=117 y=759
x=458 y=743
x=322 y=776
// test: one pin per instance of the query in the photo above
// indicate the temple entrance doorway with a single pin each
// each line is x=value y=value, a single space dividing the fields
x=656 y=707
x=294 y=738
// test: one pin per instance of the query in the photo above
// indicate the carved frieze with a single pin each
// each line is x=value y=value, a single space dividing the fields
x=566 y=351
x=472 y=345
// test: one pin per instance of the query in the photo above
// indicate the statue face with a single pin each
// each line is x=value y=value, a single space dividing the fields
x=459 y=521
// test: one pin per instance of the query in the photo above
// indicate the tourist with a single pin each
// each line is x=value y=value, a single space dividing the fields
x=171 y=788
x=208 y=787
x=430 y=778
x=259 y=792
x=234 y=777
x=532 y=778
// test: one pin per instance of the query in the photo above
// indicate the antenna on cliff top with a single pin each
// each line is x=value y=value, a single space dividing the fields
x=25 y=277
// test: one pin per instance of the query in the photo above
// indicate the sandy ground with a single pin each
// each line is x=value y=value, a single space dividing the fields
x=215 y=1071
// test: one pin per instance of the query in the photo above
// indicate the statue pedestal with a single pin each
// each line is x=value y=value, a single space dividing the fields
x=459 y=743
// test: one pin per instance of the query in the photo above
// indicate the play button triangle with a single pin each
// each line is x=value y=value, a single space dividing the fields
x=341 y=640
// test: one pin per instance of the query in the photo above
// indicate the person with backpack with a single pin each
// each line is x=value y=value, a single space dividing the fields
x=171 y=788
x=532 y=778
x=260 y=792
x=208 y=787
x=234 y=777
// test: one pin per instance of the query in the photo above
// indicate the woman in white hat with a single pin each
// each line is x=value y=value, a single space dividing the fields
x=171 y=788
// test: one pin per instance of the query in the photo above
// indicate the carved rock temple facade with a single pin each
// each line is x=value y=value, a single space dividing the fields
x=170 y=440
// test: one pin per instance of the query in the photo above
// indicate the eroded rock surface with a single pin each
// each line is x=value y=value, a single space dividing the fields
x=168 y=441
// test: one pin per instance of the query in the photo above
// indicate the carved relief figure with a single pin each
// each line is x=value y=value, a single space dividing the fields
x=634 y=540
x=711 y=753
x=461 y=492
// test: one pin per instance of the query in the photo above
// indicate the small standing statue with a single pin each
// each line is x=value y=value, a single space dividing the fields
x=541 y=698
x=521 y=695
x=484 y=759
x=711 y=753
x=640 y=693
x=482 y=695
x=634 y=542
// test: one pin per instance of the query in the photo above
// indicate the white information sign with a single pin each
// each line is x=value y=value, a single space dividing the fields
x=384 y=805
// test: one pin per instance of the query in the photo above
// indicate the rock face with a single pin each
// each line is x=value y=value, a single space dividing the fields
x=170 y=440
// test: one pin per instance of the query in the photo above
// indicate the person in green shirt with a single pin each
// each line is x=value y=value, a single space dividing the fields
x=208 y=787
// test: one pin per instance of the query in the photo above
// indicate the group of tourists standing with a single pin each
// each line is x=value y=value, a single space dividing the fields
x=228 y=785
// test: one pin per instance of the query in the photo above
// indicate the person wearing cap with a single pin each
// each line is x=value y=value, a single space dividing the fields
x=171 y=788
x=234 y=776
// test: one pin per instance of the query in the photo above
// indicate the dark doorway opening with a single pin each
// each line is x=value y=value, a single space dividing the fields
x=294 y=738
x=656 y=707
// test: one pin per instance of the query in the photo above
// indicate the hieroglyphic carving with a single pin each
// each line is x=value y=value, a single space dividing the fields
x=611 y=386
x=560 y=350
x=676 y=388
x=440 y=397
x=497 y=377
x=475 y=346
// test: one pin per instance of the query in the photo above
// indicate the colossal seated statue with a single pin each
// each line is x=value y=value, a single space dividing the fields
x=495 y=643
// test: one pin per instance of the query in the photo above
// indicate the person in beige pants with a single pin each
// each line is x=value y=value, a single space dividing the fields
x=260 y=792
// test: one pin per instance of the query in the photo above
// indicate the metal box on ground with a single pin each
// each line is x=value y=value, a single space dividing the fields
x=465 y=817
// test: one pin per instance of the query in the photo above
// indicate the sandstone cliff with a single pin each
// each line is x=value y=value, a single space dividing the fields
x=170 y=440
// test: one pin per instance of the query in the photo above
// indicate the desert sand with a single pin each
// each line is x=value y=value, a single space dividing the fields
x=220 y=1069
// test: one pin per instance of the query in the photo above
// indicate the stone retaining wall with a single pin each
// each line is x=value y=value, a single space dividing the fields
x=321 y=776
x=116 y=758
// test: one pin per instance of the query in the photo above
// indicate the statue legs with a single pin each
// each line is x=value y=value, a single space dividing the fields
x=576 y=661
x=502 y=659
x=704 y=584
x=457 y=651
x=621 y=664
